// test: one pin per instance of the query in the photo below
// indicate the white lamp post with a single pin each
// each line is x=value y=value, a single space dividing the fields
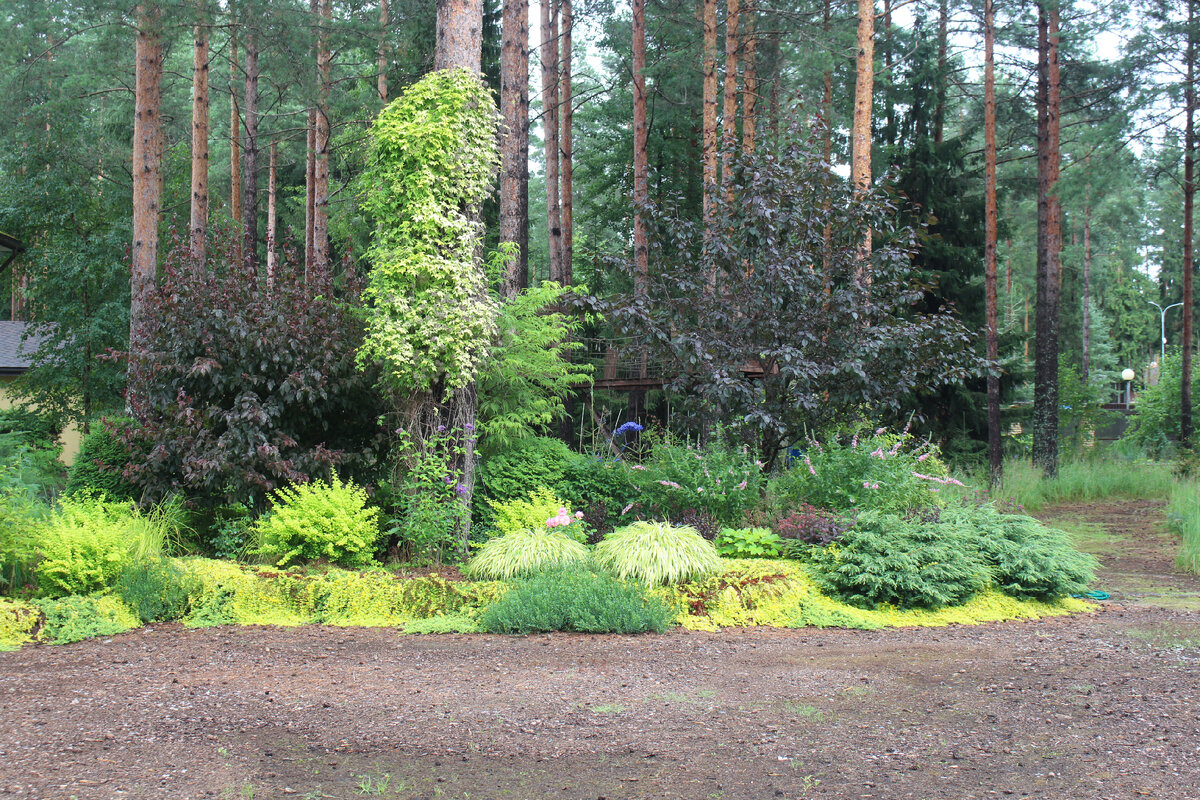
x=1162 y=327
x=1127 y=375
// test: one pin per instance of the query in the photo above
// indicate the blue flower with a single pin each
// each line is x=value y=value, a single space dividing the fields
x=628 y=427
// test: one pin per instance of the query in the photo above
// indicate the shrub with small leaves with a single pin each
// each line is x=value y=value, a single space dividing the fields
x=156 y=589
x=73 y=619
x=577 y=599
x=705 y=523
x=885 y=559
x=102 y=457
x=749 y=543
x=535 y=511
x=319 y=521
x=524 y=552
x=656 y=553
x=809 y=525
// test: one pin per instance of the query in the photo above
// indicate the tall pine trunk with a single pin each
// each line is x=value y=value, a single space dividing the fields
x=709 y=132
x=1049 y=245
x=749 y=80
x=272 y=232
x=381 y=85
x=514 y=144
x=995 y=456
x=864 y=83
x=729 y=113
x=566 y=149
x=1186 y=428
x=250 y=153
x=235 y=140
x=939 y=111
x=550 y=106
x=198 y=225
x=641 y=165
x=147 y=166
x=1086 y=363
x=321 y=136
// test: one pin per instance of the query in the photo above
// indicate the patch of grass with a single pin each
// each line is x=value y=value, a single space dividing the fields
x=1168 y=637
x=1094 y=479
x=608 y=708
x=803 y=710
x=1183 y=516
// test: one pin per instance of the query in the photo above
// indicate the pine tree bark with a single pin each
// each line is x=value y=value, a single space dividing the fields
x=235 y=141
x=321 y=137
x=939 y=112
x=1045 y=393
x=995 y=456
x=310 y=181
x=749 y=80
x=381 y=85
x=147 y=166
x=641 y=166
x=514 y=145
x=566 y=149
x=198 y=225
x=1086 y=363
x=459 y=35
x=550 y=112
x=729 y=134
x=272 y=261
x=250 y=153
x=860 y=168
x=1186 y=427
x=889 y=80
x=709 y=133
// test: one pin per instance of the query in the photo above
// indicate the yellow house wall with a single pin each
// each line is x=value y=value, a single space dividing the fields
x=70 y=438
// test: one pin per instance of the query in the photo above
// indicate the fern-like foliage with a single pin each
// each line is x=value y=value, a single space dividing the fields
x=524 y=552
x=657 y=553
x=319 y=521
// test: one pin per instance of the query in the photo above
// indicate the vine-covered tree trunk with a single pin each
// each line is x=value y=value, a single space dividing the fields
x=641 y=166
x=1049 y=246
x=995 y=456
x=550 y=111
x=147 y=164
x=1186 y=429
x=250 y=153
x=514 y=144
x=198 y=225
x=566 y=147
x=321 y=136
x=860 y=168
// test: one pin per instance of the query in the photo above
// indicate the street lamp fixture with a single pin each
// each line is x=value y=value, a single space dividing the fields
x=1162 y=327
x=1127 y=375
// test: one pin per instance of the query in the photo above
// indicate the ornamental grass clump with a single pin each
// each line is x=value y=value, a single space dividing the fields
x=524 y=552
x=577 y=599
x=319 y=521
x=657 y=553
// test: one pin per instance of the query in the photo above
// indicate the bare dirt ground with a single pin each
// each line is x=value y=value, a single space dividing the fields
x=1098 y=706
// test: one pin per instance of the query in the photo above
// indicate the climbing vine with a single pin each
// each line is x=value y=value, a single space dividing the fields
x=430 y=319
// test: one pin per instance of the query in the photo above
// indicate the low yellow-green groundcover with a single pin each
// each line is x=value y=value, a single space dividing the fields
x=746 y=592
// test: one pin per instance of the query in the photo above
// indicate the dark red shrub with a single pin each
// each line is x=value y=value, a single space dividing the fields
x=812 y=525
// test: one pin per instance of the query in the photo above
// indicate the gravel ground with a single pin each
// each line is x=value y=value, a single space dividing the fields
x=1105 y=705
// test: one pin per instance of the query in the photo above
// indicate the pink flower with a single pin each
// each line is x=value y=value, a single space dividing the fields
x=925 y=456
x=637 y=466
x=625 y=510
x=578 y=515
x=879 y=431
x=878 y=453
x=740 y=486
x=810 y=466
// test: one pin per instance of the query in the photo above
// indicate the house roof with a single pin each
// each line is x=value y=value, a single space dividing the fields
x=8 y=244
x=15 y=354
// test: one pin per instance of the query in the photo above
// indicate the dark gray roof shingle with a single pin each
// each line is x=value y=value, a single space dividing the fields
x=15 y=355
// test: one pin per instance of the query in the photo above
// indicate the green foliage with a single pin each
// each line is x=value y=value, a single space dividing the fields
x=529 y=374
x=524 y=552
x=885 y=559
x=1156 y=424
x=18 y=621
x=577 y=599
x=102 y=456
x=432 y=158
x=230 y=534
x=1026 y=559
x=444 y=623
x=29 y=444
x=884 y=472
x=20 y=508
x=595 y=482
x=85 y=542
x=1080 y=404
x=157 y=589
x=721 y=478
x=537 y=511
x=73 y=619
x=538 y=461
x=655 y=553
x=319 y=521
x=749 y=543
